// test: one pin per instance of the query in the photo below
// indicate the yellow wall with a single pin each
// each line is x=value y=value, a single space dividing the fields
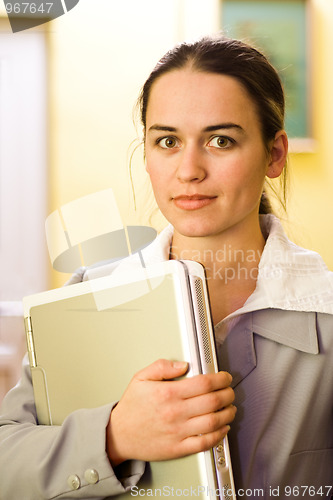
x=99 y=56
x=311 y=191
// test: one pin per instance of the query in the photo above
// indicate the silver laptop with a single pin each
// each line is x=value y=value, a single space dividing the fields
x=86 y=341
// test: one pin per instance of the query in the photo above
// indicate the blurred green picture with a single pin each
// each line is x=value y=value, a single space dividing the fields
x=278 y=28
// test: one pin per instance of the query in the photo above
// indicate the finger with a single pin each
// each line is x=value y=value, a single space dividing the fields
x=203 y=442
x=211 y=422
x=163 y=369
x=208 y=403
x=203 y=384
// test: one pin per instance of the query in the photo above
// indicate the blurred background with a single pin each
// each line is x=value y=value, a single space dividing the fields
x=68 y=126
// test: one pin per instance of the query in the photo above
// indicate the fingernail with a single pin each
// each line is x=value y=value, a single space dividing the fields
x=180 y=365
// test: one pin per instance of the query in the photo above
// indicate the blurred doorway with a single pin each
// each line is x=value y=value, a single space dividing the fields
x=23 y=186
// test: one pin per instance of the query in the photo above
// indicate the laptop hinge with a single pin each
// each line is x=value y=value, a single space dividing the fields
x=30 y=341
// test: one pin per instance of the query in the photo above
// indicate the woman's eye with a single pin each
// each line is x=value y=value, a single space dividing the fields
x=220 y=142
x=168 y=142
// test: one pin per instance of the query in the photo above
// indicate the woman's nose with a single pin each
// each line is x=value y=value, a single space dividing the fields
x=191 y=165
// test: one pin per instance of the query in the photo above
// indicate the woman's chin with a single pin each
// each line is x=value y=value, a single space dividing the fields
x=195 y=230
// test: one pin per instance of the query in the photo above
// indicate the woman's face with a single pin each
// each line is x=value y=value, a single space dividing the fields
x=204 y=152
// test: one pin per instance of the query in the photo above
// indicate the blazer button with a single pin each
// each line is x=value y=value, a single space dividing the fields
x=74 y=482
x=91 y=476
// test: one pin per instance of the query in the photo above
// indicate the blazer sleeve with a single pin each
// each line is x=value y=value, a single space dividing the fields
x=68 y=461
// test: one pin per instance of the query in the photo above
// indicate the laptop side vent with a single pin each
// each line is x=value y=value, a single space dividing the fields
x=203 y=320
x=226 y=489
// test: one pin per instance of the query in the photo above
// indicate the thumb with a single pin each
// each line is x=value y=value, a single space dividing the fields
x=163 y=369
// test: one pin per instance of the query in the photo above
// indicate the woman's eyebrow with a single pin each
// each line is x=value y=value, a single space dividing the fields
x=223 y=126
x=164 y=128
x=210 y=128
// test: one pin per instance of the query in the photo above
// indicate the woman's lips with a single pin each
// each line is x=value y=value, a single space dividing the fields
x=193 y=202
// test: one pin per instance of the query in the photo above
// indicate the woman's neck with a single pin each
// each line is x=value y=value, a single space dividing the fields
x=231 y=262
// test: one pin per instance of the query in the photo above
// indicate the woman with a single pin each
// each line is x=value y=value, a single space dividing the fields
x=212 y=114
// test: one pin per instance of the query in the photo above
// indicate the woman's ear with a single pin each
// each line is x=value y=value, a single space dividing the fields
x=278 y=155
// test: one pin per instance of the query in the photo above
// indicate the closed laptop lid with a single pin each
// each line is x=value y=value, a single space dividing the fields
x=86 y=341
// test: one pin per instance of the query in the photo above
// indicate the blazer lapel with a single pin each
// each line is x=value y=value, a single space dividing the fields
x=237 y=353
x=294 y=329
x=291 y=328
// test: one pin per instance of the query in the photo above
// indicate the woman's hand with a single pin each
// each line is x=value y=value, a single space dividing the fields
x=158 y=418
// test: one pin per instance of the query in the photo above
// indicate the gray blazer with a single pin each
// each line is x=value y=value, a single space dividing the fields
x=282 y=437
x=64 y=462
